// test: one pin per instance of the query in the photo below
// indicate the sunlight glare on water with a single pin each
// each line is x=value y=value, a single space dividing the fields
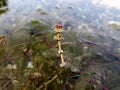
x=108 y=3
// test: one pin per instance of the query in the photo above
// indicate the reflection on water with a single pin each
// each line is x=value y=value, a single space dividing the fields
x=3 y=6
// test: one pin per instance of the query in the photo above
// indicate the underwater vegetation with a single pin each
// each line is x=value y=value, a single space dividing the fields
x=30 y=59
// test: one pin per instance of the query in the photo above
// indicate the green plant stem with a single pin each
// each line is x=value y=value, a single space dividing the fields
x=44 y=85
x=27 y=85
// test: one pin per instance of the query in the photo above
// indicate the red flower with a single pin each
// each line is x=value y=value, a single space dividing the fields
x=58 y=26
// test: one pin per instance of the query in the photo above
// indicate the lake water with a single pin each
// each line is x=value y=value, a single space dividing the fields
x=98 y=25
x=82 y=16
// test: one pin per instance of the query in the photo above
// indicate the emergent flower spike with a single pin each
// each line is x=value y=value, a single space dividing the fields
x=59 y=29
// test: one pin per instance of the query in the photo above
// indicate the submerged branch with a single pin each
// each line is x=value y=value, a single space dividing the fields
x=44 y=85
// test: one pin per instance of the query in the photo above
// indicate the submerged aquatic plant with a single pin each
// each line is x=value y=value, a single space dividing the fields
x=32 y=61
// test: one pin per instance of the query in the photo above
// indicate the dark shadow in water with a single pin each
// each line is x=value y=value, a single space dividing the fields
x=3 y=6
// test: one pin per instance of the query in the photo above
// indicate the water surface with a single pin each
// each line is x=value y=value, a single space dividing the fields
x=83 y=16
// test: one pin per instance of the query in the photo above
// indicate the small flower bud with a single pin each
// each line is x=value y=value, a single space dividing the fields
x=58 y=26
